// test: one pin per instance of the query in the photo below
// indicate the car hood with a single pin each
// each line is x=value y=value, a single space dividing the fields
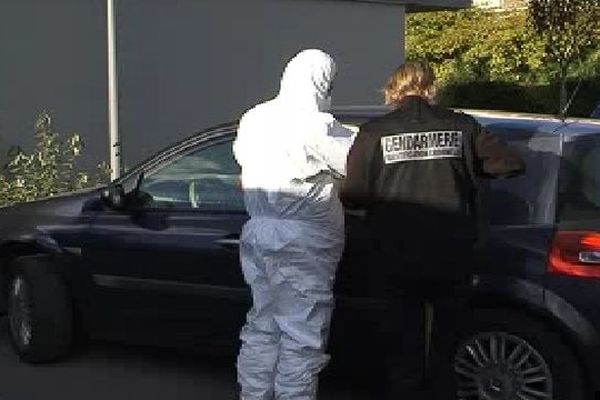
x=28 y=219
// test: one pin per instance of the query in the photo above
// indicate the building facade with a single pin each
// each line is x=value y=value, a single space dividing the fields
x=183 y=64
x=501 y=4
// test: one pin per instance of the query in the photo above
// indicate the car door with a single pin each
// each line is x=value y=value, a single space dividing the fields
x=169 y=266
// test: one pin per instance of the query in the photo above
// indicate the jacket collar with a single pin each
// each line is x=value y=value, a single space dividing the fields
x=412 y=105
x=412 y=102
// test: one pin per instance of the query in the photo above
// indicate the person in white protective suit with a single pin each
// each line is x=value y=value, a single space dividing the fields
x=292 y=154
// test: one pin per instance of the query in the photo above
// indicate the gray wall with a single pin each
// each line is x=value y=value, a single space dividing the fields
x=52 y=57
x=183 y=64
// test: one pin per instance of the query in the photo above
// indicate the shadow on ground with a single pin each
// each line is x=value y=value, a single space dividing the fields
x=101 y=371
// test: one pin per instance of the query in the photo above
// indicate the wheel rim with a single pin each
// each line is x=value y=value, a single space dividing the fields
x=20 y=312
x=500 y=366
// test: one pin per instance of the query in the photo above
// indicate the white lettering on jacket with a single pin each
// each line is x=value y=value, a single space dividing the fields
x=422 y=146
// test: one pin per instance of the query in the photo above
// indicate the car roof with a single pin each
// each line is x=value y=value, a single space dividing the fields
x=538 y=123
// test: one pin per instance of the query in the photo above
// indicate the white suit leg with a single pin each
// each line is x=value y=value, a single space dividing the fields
x=303 y=342
x=304 y=292
x=260 y=336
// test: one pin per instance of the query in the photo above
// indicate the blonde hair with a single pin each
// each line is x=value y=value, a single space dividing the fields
x=413 y=78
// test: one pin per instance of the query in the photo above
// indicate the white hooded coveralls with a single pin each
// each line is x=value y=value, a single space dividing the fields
x=292 y=154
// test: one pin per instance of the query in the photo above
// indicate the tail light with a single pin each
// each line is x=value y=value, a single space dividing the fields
x=575 y=253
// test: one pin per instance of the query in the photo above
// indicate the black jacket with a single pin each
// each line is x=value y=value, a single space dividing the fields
x=416 y=169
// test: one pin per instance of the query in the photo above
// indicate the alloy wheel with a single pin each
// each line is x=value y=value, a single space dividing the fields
x=501 y=366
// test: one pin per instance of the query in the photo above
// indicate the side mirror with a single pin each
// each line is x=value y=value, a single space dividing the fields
x=114 y=197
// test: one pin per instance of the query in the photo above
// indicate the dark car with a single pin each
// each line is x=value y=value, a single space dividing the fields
x=153 y=259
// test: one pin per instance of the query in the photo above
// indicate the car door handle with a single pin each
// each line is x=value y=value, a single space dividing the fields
x=230 y=243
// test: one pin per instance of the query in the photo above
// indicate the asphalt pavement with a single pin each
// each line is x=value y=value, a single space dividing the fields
x=102 y=371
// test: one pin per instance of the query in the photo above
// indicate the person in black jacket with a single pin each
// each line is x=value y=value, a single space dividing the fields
x=415 y=172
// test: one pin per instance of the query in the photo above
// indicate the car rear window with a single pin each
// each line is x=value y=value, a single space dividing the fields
x=579 y=182
x=527 y=199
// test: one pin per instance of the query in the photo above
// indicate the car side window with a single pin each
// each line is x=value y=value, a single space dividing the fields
x=205 y=179
x=579 y=190
x=527 y=199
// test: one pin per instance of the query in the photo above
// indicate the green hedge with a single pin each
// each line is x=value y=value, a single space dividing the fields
x=514 y=97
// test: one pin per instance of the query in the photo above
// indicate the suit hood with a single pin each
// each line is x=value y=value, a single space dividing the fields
x=307 y=79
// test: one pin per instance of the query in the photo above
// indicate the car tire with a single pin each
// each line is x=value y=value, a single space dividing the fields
x=39 y=311
x=548 y=354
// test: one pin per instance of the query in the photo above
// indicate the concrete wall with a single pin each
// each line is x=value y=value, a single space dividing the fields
x=183 y=64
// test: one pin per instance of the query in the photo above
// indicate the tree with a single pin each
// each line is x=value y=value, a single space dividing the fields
x=475 y=45
x=568 y=29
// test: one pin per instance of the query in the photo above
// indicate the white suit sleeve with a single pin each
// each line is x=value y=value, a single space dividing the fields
x=239 y=144
x=332 y=149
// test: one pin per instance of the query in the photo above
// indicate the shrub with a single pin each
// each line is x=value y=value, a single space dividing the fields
x=50 y=169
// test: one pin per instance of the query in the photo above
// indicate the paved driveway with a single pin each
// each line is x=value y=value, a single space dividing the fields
x=105 y=371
